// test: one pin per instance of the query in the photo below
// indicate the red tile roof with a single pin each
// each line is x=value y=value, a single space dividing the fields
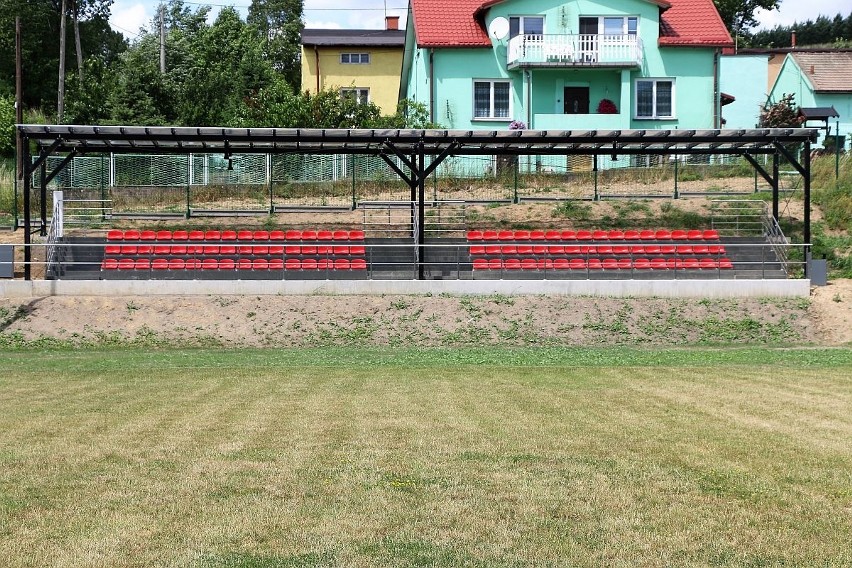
x=693 y=23
x=438 y=23
x=459 y=23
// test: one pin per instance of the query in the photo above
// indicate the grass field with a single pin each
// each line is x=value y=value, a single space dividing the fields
x=441 y=457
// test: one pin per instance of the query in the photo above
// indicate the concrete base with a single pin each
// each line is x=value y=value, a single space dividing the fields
x=603 y=288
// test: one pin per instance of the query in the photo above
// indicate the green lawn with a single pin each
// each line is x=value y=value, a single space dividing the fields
x=479 y=457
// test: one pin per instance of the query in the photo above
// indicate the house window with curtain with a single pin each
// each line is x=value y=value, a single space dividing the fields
x=492 y=99
x=655 y=98
x=609 y=25
x=360 y=94
x=525 y=25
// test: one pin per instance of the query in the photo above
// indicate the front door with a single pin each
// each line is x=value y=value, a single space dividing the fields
x=576 y=100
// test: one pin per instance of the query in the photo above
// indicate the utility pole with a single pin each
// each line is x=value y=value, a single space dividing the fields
x=60 y=103
x=19 y=112
x=162 y=39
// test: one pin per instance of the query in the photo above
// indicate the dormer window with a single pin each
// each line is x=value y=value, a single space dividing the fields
x=526 y=25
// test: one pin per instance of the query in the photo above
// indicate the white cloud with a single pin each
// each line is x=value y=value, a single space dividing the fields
x=322 y=25
x=792 y=11
x=128 y=17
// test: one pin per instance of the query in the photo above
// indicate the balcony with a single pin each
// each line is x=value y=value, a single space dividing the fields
x=581 y=50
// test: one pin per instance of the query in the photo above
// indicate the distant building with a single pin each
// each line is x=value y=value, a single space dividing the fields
x=365 y=64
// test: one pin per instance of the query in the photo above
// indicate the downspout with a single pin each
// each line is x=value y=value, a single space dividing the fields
x=716 y=103
x=529 y=99
x=316 y=58
x=432 y=85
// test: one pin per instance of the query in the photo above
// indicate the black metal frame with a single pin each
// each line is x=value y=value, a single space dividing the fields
x=410 y=146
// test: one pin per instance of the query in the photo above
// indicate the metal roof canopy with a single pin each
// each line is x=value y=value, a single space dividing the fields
x=158 y=139
x=408 y=145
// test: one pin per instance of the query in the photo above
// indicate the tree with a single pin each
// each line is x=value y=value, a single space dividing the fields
x=279 y=25
x=7 y=125
x=783 y=114
x=738 y=15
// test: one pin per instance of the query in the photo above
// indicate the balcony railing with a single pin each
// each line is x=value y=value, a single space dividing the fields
x=575 y=50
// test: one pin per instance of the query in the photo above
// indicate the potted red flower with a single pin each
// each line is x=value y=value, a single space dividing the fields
x=606 y=106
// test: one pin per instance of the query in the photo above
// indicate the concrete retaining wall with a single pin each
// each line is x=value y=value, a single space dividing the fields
x=603 y=288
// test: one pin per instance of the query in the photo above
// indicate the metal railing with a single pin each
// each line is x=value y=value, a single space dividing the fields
x=575 y=49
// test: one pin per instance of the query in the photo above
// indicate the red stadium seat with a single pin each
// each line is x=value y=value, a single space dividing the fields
x=341 y=264
x=505 y=235
x=145 y=249
x=701 y=249
x=196 y=236
x=521 y=235
x=545 y=264
x=245 y=249
x=309 y=249
x=274 y=264
x=209 y=264
x=193 y=264
x=725 y=263
x=228 y=249
x=512 y=264
x=647 y=235
x=539 y=249
x=229 y=235
x=537 y=236
x=129 y=249
x=358 y=264
x=658 y=264
x=259 y=249
x=637 y=249
x=115 y=235
x=277 y=236
x=227 y=264
x=325 y=235
x=142 y=264
x=668 y=249
x=126 y=264
x=631 y=235
x=711 y=235
x=594 y=264
x=325 y=264
x=292 y=264
x=292 y=249
x=274 y=250
x=178 y=249
x=609 y=264
x=708 y=263
x=695 y=235
x=109 y=264
x=260 y=236
x=569 y=236
x=684 y=249
x=495 y=264
x=293 y=235
x=616 y=235
x=340 y=235
x=357 y=250
x=356 y=235
x=653 y=249
x=210 y=249
x=259 y=264
x=556 y=249
x=625 y=264
x=244 y=264
x=245 y=235
x=131 y=235
x=509 y=249
x=477 y=249
x=164 y=235
x=162 y=249
x=553 y=235
x=525 y=249
x=309 y=235
x=584 y=235
x=489 y=235
x=600 y=235
x=604 y=249
x=642 y=264
x=180 y=236
x=561 y=264
x=679 y=235
x=112 y=249
x=690 y=263
x=663 y=235
x=573 y=249
x=212 y=236
x=621 y=250
x=578 y=264
x=716 y=249
x=529 y=264
x=474 y=235
x=480 y=264
x=588 y=250
x=309 y=264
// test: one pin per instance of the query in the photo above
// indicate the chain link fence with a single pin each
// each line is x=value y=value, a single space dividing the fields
x=204 y=184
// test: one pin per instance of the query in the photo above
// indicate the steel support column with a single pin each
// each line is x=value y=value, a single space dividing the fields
x=775 y=160
x=421 y=213
x=28 y=181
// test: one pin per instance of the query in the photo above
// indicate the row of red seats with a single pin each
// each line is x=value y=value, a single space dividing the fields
x=230 y=264
x=601 y=264
x=208 y=249
x=598 y=249
x=599 y=235
x=212 y=236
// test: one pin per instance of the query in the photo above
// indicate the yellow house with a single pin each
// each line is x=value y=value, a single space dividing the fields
x=366 y=64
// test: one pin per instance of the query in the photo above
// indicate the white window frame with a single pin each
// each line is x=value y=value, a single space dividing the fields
x=624 y=23
x=363 y=58
x=654 y=81
x=357 y=91
x=491 y=116
x=521 y=19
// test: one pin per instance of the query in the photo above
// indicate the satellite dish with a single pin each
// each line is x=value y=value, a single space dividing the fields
x=499 y=28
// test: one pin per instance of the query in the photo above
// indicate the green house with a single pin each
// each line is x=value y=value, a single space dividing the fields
x=821 y=80
x=568 y=65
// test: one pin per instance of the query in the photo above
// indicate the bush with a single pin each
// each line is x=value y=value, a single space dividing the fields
x=7 y=126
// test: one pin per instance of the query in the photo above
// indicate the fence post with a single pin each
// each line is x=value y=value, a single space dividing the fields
x=596 y=196
x=269 y=183
x=837 y=150
x=352 y=165
x=15 y=212
x=103 y=194
x=676 y=195
x=515 y=194
x=188 y=186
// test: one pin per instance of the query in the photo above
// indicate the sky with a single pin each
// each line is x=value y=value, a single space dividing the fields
x=128 y=16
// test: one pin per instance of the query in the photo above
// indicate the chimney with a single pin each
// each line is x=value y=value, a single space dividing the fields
x=793 y=39
x=391 y=22
x=812 y=70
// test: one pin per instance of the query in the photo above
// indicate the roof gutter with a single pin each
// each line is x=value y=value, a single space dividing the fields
x=432 y=85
